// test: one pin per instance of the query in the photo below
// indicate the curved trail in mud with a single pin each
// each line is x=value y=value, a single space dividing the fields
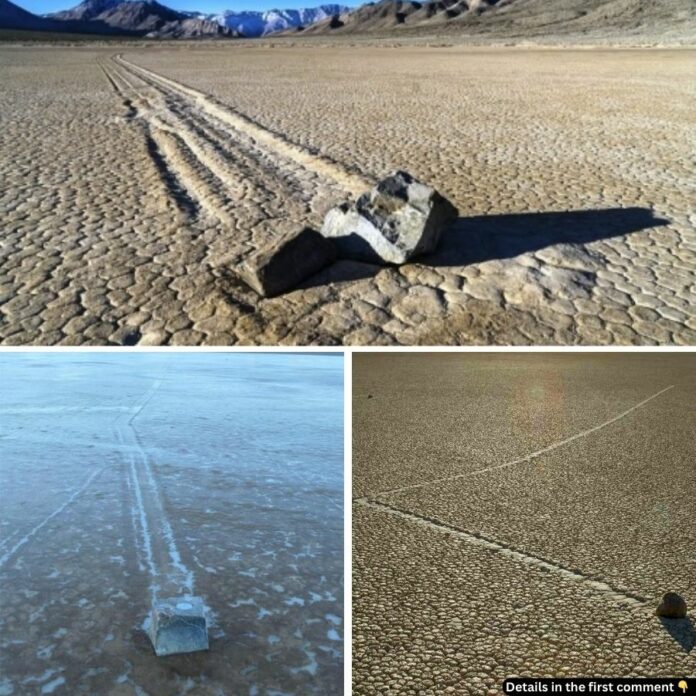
x=532 y=455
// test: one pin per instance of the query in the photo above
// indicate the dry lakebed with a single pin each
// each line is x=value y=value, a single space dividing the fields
x=137 y=177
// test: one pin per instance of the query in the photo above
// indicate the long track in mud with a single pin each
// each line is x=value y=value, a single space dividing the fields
x=215 y=160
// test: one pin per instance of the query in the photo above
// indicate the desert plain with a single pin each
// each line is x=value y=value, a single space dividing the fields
x=520 y=515
x=136 y=178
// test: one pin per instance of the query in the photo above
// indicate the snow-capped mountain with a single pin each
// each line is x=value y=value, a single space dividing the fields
x=253 y=24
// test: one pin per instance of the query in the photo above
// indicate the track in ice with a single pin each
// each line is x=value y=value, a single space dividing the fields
x=11 y=551
x=158 y=553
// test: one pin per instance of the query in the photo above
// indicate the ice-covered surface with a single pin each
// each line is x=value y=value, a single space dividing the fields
x=129 y=477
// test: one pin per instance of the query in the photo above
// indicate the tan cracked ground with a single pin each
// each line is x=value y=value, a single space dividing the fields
x=135 y=178
x=552 y=566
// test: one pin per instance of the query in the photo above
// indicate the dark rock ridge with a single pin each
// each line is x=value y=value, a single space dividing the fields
x=14 y=17
x=191 y=28
x=114 y=17
x=89 y=9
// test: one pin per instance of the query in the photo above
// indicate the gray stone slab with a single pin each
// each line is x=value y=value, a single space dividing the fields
x=285 y=263
x=398 y=219
x=178 y=625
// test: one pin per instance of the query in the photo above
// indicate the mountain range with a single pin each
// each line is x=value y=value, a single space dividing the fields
x=144 y=17
x=498 y=19
x=151 y=19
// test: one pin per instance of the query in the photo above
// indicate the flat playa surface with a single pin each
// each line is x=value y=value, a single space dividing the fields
x=520 y=515
x=129 y=478
x=132 y=185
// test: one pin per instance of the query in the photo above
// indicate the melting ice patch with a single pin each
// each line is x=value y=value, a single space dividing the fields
x=46 y=652
x=242 y=603
x=311 y=666
x=52 y=685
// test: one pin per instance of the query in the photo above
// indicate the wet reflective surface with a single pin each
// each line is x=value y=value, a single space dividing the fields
x=127 y=478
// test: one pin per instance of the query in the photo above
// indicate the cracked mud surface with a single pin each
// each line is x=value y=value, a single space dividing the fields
x=550 y=566
x=136 y=178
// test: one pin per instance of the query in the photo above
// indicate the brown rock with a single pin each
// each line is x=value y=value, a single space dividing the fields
x=672 y=606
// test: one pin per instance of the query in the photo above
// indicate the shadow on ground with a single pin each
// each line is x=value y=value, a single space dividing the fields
x=682 y=630
x=489 y=237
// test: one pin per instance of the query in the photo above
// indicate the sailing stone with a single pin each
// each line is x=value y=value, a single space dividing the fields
x=178 y=625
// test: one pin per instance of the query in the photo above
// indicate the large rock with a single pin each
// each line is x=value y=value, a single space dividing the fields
x=398 y=219
x=178 y=626
x=286 y=262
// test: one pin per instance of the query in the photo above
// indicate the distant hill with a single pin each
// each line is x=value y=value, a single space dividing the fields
x=253 y=24
x=514 y=18
x=144 y=17
x=14 y=17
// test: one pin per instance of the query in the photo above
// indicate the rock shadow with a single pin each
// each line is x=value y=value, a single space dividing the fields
x=682 y=631
x=341 y=271
x=480 y=238
x=489 y=237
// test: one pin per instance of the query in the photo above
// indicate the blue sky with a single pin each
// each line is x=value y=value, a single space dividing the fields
x=43 y=6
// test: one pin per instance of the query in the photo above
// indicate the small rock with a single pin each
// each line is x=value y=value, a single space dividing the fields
x=672 y=606
x=286 y=262
x=178 y=626
x=398 y=219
